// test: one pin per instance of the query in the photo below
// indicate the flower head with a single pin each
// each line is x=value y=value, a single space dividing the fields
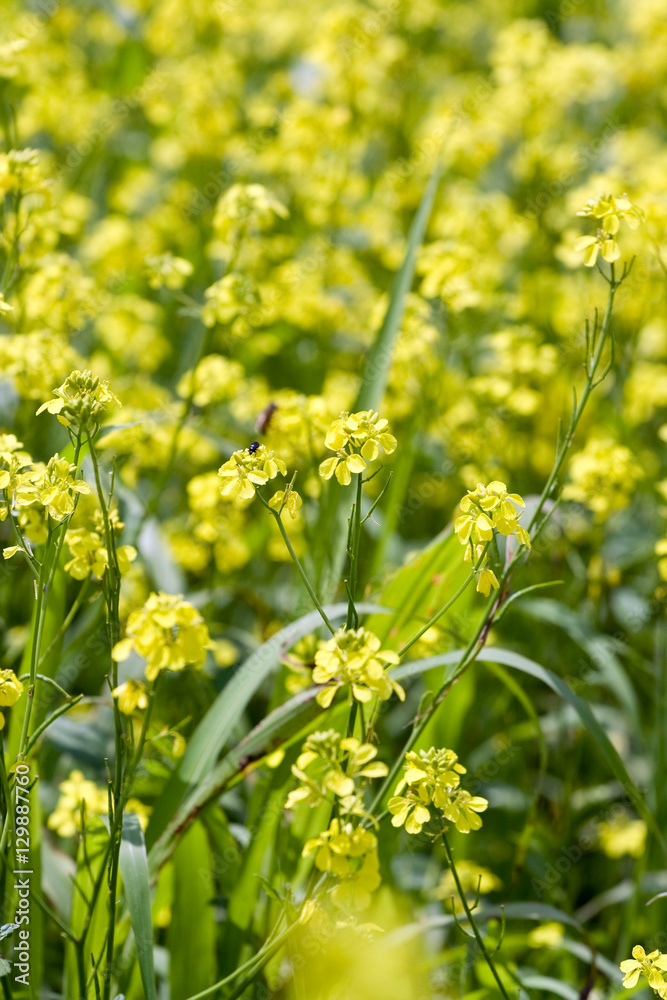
x=56 y=488
x=288 y=500
x=248 y=469
x=353 y=658
x=132 y=695
x=76 y=791
x=350 y=853
x=166 y=270
x=356 y=438
x=80 y=401
x=484 y=510
x=432 y=778
x=168 y=632
x=609 y=211
x=11 y=688
x=651 y=967
x=329 y=765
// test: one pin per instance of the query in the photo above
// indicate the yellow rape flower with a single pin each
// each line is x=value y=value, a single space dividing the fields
x=609 y=211
x=55 y=488
x=353 y=658
x=168 y=632
x=11 y=688
x=248 y=469
x=132 y=695
x=333 y=763
x=75 y=791
x=232 y=298
x=350 y=853
x=89 y=555
x=483 y=510
x=216 y=379
x=651 y=967
x=603 y=476
x=288 y=500
x=432 y=778
x=245 y=208
x=622 y=835
x=80 y=401
x=364 y=431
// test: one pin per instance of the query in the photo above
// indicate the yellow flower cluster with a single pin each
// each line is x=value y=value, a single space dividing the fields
x=356 y=438
x=168 y=632
x=90 y=556
x=248 y=469
x=349 y=853
x=80 y=401
x=608 y=211
x=603 y=477
x=77 y=791
x=352 y=658
x=484 y=510
x=651 y=967
x=432 y=778
x=333 y=764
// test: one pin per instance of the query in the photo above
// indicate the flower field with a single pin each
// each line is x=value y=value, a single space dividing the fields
x=333 y=499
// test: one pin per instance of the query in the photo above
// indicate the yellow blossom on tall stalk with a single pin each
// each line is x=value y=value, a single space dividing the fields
x=609 y=211
x=352 y=658
x=80 y=401
x=168 y=632
x=432 y=778
x=356 y=438
x=243 y=209
x=132 y=695
x=484 y=510
x=329 y=765
x=248 y=469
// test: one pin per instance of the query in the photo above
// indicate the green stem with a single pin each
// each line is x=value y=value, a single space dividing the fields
x=295 y=560
x=353 y=553
x=112 y=595
x=468 y=911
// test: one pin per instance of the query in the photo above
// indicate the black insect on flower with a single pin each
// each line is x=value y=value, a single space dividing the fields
x=253 y=447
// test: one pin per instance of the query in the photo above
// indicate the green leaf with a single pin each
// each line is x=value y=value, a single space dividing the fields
x=134 y=872
x=601 y=649
x=217 y=726
x=533 y=981
x=192 y=930
x=5 y=967
x=7 y=929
